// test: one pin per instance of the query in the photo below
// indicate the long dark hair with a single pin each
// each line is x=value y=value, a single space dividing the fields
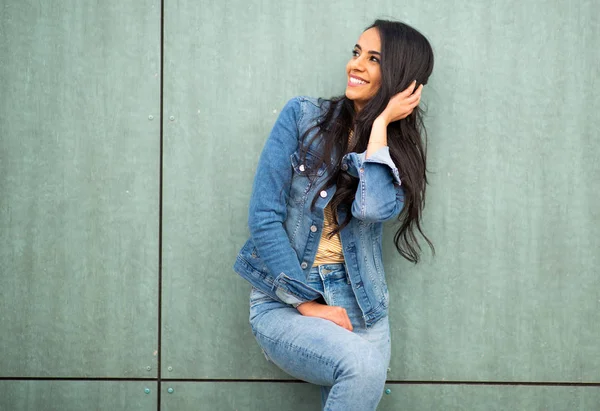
x=406 y=55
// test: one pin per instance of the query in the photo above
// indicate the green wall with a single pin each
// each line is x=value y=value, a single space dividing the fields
x=123 y=201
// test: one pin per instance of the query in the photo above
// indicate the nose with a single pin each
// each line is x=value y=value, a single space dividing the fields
x=357 y=64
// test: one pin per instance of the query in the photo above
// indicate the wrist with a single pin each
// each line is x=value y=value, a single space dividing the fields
x=305 y=305
x=378 y=136
x=382 y=120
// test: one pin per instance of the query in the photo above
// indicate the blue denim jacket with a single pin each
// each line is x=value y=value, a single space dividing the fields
x=285 y=231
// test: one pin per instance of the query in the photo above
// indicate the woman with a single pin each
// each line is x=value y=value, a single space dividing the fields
x=331 y=172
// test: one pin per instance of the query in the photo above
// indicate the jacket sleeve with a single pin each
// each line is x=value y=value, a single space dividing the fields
x=268 y=208
x=379 y=195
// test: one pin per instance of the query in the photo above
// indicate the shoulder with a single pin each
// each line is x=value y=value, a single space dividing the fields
x=306 y=108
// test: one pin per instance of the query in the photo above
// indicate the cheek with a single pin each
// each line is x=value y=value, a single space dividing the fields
x=376 y=83
x=375 y=87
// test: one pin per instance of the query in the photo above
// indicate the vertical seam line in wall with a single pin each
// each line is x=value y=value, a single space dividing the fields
x=160 y=208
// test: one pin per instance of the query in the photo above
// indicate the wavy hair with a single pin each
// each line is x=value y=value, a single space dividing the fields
x=406 y=55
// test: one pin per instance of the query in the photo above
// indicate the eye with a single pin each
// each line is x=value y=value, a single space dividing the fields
x=355 y=53
x=375 y=59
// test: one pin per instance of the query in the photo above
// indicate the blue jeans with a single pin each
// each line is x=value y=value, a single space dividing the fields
x=350 y=366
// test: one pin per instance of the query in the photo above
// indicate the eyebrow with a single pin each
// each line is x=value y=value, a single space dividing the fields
x=356 y=46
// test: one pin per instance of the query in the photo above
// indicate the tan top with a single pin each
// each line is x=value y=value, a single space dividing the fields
x=330 y=249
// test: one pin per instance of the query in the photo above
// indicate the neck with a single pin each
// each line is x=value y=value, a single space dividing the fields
x=357 y=107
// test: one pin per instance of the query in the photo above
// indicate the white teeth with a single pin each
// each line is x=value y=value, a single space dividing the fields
x=357 y=81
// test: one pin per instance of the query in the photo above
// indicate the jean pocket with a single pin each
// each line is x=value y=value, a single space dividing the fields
x=258 y=297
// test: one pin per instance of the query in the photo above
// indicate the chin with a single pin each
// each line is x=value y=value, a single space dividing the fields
x=351 y=95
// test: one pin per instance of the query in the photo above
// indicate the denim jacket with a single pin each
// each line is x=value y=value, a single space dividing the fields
x=285 y=230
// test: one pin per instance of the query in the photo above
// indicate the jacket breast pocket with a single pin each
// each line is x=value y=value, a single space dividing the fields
x=307 y=170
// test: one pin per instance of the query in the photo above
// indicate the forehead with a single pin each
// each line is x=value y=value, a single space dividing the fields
x=370 y=40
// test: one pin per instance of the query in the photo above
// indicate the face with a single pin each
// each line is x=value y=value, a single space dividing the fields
x=364 y=69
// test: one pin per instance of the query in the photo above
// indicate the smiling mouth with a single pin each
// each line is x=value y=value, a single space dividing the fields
x=356 y=81
x=353 y=81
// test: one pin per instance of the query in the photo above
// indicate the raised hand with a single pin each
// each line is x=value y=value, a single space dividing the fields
x=402 y=104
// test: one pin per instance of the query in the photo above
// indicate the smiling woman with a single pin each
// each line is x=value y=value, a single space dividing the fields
x=331 y=172
x=364 y=70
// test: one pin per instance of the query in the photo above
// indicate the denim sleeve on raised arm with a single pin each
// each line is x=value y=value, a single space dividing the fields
x=379 y=195
x=268 y=206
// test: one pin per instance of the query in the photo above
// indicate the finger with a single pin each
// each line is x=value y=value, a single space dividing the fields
x=411 y=87
x=347 y=325
x=414 y=97
x=344 y=323
x=417 y=92
x=338 y=321
x=407 y=114
x=339 y=316
x=343 y=320
x=348 y=322
x=416 y=103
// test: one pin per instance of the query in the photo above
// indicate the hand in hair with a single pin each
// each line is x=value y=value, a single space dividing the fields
x=335 y=314
x=402 y=104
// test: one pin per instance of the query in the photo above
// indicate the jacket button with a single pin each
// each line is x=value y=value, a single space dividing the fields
x=301 y=168
x=345 y=167
x=323 y=193
x=313 y=228
x=303 y=265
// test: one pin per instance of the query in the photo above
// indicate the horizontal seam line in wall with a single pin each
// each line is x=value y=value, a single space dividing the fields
x=397 y=382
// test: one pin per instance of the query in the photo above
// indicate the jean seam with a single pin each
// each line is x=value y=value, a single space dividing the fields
x=300 y=349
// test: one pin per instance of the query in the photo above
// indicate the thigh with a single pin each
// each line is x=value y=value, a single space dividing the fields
x=308 y=348
x=338 y=291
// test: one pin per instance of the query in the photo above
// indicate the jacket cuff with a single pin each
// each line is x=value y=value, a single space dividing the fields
x=293 y=292
x=352 y=162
